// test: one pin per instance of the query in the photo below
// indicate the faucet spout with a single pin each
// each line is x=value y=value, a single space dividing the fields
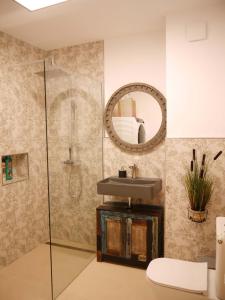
x=133 y=171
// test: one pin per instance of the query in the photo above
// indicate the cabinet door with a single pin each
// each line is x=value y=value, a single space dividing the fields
x=113 y=240
x=127 y=238
x=139 y=239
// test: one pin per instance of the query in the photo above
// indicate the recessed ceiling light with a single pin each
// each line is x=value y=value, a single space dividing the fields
x=37 y=4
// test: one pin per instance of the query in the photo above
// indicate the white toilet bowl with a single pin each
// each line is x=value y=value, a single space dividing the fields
x=179 y=279
x=165 y=292
x=183 y=280
x=179 y=274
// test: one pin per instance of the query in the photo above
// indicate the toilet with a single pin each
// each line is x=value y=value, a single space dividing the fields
x=191 y=279
x=183 y=275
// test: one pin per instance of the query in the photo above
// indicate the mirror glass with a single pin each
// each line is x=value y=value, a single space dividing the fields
x=137 y=117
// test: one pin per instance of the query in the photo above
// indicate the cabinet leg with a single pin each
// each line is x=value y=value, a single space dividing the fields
x=99 y=256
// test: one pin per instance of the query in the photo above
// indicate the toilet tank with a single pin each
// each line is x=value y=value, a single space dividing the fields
x=220 y=258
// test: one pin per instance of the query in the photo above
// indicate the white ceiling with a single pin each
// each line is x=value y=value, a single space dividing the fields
x=79 y=21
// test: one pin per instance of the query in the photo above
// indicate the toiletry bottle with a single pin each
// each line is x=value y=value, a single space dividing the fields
x=8 y=168
x=3 y=168
x=122 y=173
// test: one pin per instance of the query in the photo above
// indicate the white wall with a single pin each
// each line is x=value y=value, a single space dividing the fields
x=136 y=58
x=196 y=75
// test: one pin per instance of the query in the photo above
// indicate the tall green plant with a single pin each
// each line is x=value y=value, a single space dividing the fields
x=198 y=183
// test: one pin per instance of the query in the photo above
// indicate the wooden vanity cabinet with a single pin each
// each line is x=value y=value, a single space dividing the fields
x=129 y=236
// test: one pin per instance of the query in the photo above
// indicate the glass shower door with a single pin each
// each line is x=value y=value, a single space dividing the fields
x=74 y=121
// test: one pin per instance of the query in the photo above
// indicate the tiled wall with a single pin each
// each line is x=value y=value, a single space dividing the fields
x=73 y=187
x=185 y=239
x=23 y=205
x=23 y=213
x=150 y=164
x=77 y=76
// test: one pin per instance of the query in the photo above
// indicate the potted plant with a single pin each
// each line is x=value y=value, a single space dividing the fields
x=199 y=186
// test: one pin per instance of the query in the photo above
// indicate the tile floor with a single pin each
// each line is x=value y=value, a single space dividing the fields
x=28 y=278
x=105 y=281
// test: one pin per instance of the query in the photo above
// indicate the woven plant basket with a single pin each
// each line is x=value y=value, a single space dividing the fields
x=197 y=216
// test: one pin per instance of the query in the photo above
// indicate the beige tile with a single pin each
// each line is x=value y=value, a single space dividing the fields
x=23 y=219
x=185 y=239
x=84 y=64
x=28 y=277
x=100 y=281
x=67 y=265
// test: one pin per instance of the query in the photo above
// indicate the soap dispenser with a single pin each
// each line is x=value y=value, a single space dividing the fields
x=122 y=173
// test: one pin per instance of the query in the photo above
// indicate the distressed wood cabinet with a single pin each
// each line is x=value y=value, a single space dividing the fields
x=129 y=236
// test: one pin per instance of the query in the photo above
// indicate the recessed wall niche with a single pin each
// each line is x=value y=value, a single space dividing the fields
x=15 y=168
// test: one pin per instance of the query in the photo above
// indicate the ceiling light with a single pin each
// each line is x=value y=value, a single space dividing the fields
x=37 y=4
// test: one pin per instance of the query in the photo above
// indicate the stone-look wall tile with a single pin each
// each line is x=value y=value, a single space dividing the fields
x=23 y=205
x=73 y=188
x=83 y=60
x=185 y=239
x=14 y=51
x=150 y=164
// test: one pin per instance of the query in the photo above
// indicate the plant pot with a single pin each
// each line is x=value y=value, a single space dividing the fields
x=197 y=216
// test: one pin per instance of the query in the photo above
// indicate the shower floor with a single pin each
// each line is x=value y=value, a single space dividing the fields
x=29 y=277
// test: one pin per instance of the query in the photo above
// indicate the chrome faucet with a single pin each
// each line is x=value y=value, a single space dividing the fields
x=133 y=171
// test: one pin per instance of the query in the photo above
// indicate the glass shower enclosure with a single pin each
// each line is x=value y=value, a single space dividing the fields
x=74 y=140
x=48 y=197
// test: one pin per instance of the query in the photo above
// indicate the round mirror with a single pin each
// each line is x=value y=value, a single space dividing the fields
x=135 y=117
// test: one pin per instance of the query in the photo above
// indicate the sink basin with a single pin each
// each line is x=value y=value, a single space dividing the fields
x=139 y=188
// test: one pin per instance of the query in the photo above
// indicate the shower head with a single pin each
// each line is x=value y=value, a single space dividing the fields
x=53 y=73
x=52 y=70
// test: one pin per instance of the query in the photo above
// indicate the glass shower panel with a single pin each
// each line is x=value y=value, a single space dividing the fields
x=74 y=118
x=24 y=212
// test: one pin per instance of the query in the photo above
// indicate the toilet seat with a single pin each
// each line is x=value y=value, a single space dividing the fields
x=179 y=274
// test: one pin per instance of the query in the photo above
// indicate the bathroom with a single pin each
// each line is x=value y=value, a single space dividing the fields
x=55 y=84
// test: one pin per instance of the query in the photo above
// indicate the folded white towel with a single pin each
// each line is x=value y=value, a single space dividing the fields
x=126 y=128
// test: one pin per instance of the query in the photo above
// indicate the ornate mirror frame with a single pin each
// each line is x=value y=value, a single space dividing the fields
x=135 y=87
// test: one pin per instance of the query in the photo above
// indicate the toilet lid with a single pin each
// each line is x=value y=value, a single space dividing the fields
x=179 y=274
